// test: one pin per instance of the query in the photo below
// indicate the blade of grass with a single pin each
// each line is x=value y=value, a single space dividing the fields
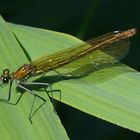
x=89 y=16
x=14 y=119
x=115 y=92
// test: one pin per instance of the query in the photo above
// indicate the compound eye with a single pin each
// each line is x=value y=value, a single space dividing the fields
x=5 y=80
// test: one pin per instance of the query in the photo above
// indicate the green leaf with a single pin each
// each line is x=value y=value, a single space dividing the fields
x=14 y=118
x=111 y=93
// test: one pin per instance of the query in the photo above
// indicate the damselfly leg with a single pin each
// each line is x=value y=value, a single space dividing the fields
x=23 y=85
x=31 y=114
x=9 y=96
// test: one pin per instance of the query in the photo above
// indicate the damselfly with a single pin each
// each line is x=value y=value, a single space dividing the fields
x=114 y=45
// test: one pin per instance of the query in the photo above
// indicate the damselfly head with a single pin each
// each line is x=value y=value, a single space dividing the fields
x=5 y=77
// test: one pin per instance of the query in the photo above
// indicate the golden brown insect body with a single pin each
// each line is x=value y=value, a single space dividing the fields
x=114 y=45
x=64 y=57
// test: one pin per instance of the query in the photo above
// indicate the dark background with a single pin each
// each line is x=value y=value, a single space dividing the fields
x=84 y=19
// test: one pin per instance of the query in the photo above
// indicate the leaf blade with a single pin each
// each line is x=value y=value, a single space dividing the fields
x=110 y=99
